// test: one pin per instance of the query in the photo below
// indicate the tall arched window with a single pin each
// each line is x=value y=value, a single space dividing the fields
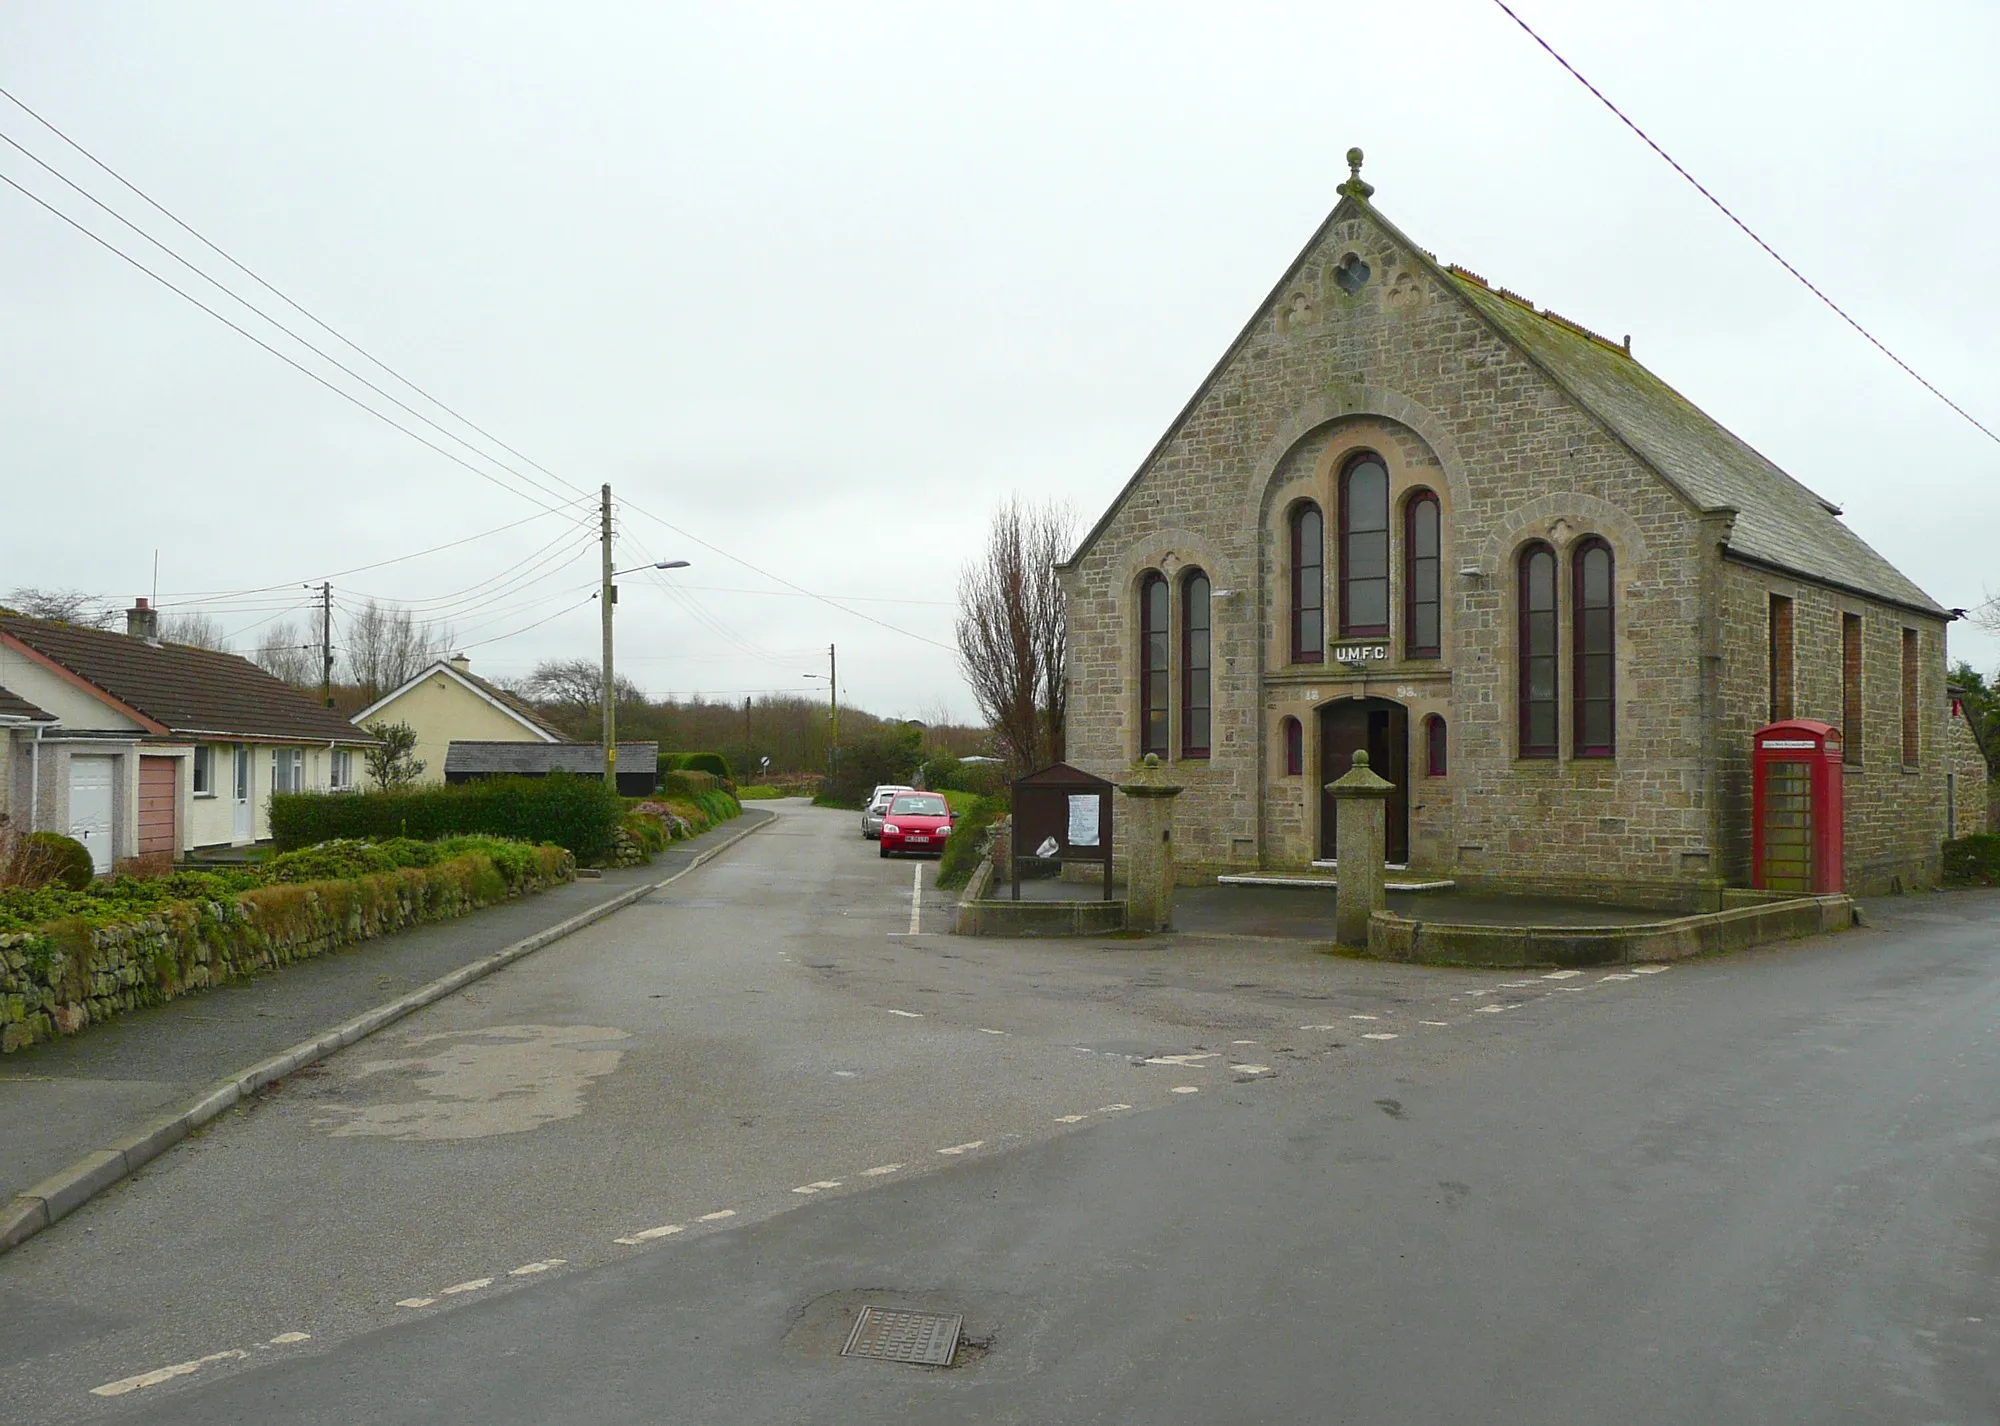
x=1596 y=733
x=1434 y=747
x=1153 y=663
x=1423 y=552
x=1196 y=685
x=1295 y=748
x=1308 y=584
x=1536 y=652
x=1364 y=548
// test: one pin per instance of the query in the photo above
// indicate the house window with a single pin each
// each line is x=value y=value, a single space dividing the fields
x=1535 y=654
x=1910 y=748
x=1295 y=747
x=1434 y=746
x=343 y=770
x=1308 y=584
x=1422 y=637
x=287 y=770
x=1595 y=710
x=204 y=770
x=1195 y=681
x=1850 y=689
x=1364 y=549
x=1780 y=660
x=1153 y=664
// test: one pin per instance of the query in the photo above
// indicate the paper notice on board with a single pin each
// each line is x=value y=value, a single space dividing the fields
x=1083 y=819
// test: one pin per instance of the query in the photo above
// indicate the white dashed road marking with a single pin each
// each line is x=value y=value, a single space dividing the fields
x=530 y=1269
x=1319 y=1027
x=1187 y=1089
x=1251 y=1069
x=879 y=1170
x=819 y=1187
x=1182 y=1061
x=1111 y=1108
x=984 y=1031
x=1651 y=970
x=646 y=1235
x=1562 y=975
x=285 y=1339
x=427 y=1301
x=720 y=1214
x=909 y=1014
x=964 y=1148
x=916 y=897
x=1378 y=1035
x=458 y=1287
x=1070 y=1118
x=160 y=1374
x=1436 y=1024
x=1617 y=975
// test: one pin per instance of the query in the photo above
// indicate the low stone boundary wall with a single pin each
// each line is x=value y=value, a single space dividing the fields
x=62 y=977
x=1398 y=938
x=979 y=916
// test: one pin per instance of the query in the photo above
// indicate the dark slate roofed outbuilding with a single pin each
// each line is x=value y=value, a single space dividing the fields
x=13 y=705
x=466 y=758
x=190 y=692
x=1779 y=522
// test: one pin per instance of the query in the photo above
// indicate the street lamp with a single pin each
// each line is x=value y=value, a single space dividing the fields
x=608 y=596
x=830 y=678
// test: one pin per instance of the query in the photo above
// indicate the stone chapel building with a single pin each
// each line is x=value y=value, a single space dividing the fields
x=1409 y=512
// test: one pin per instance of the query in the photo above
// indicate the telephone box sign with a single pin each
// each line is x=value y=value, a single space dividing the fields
x=1360 y=653
x=1796 y=813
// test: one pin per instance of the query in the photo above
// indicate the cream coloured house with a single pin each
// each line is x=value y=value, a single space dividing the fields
x=449 y=703
x=137 y=747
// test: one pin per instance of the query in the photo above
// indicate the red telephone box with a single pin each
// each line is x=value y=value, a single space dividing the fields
x=1796 y=842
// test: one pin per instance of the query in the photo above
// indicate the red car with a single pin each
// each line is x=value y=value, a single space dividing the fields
x=916 y=822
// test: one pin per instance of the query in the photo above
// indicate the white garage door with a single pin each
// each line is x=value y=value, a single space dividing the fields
x=91 y=780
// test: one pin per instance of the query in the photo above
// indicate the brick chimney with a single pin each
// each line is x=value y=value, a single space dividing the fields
x=143 y=622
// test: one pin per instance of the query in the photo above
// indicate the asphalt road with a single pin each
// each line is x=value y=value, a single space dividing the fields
x=1751 y=1190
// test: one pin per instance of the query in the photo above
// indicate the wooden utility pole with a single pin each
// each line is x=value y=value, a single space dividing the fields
x=606 y=597
x=833 y=701
x=326 y=643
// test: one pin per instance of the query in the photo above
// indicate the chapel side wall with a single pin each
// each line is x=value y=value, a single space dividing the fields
x=1967 y=763
x=1519 y=460
x=1894 y=814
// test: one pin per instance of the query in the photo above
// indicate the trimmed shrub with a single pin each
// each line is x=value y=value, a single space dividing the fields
x=891 y=755
x=686 y=784
x=331 y=861
x=761 y=792
x=578 y=813
x=967 y=841
x=59 y=861
x=1972 y=861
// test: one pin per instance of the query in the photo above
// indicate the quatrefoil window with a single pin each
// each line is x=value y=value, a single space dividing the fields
x=1351 y=274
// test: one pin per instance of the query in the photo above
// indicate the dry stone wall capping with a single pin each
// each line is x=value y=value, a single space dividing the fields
x=61 y=978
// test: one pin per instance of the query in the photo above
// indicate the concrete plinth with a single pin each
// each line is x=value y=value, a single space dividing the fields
x=1147 y=829
x=1358 y=829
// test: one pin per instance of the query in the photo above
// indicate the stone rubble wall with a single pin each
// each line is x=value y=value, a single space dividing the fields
x=63 y=977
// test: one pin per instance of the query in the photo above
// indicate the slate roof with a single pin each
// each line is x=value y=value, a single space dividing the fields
x=537 y=758
x=1778 y=522
x=191 y=692
x=13 y=705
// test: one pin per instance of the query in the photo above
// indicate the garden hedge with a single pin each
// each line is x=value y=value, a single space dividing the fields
x=578 y=813
x=1972 y=861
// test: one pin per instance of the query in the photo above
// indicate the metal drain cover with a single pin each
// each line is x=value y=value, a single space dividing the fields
x=926 y=1338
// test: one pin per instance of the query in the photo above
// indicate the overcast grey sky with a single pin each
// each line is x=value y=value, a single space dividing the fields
x=820 y=284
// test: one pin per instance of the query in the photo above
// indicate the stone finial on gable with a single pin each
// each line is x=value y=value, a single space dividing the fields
x=1354 y=187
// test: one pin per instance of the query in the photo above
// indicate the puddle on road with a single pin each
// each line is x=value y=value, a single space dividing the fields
x=472 y=1084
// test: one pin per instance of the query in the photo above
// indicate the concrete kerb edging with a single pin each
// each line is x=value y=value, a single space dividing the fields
x=27 y=1214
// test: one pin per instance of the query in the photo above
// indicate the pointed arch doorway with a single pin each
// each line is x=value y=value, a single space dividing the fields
x=1382 y=726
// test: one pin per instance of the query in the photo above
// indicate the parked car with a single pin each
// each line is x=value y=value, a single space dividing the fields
x=916 y=822
x=878 y=803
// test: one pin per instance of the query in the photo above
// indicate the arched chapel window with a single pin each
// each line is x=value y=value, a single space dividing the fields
x=1364 y=548
x=1308 y=584
x=1592 y=599
x=1535 y=654
x=1423 y=598
x=1434 y=747
x=1196 y=684
x=1295 y=748
x=1153 y=663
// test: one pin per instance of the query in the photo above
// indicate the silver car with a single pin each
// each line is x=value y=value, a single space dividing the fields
x=877 y=809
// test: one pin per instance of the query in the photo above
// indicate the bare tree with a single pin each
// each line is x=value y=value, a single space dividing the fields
x=1013 y=635
x=203 y=631
x=70 y=606
x=286 y=652
x=573 y=689
x=387 y=646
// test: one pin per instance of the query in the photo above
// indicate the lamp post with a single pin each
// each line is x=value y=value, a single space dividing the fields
x=608 y=596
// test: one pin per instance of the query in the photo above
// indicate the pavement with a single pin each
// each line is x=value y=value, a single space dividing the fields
x=64 y=1098
x=650 y=1173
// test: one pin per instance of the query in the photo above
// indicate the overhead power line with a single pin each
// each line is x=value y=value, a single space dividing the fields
x=1748 y=231
x=310 y=316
